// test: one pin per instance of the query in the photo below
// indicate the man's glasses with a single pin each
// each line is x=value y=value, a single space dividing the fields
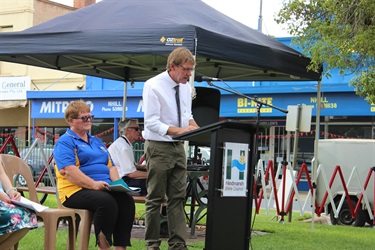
x=186 y=69
x=85 y=118
x=135 y=128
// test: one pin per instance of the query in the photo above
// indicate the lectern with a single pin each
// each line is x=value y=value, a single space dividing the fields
x=228 y=213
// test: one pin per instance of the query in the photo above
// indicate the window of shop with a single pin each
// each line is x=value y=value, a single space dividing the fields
x=361 y=127
x=103 y=129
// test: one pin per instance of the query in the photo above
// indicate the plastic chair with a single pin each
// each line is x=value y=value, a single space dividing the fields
x=10 y=241
x=51 y=217
x=83 y=222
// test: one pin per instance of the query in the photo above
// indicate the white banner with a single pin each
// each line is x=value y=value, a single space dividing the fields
x=14 y=88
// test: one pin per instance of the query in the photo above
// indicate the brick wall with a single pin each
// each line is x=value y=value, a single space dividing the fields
x=46 y=10
x=83 y=3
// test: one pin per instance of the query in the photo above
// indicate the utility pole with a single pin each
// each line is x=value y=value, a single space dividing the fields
x=260 y=20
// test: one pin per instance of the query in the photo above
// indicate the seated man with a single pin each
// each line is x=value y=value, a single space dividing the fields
x=122 y=155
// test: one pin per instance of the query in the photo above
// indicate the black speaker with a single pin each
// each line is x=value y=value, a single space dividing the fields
x=206 y=106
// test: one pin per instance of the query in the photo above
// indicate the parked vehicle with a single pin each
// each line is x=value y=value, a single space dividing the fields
x=356 y=159
x=36 y=162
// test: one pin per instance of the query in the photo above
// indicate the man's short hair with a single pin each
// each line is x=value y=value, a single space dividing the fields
x=124 y=124
x=179 y=56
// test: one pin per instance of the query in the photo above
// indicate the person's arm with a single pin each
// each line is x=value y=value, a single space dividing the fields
x=65 y=156
x=141 y=167
x=152 y=112
x=119 y=157
x=193 y=123
x=113 y=173
x=75 y=176
x=138 y=175
x=176 y=130
x=9 y=192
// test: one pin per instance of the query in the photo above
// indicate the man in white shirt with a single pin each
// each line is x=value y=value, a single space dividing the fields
x=122 y=155
x=167 y=112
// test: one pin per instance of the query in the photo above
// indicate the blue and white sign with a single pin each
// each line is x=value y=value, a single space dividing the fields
x=109 y=105
x=333 y=104
x=100 y=108
x=235 y=167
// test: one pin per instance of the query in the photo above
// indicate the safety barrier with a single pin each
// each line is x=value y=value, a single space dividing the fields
x=281 y=192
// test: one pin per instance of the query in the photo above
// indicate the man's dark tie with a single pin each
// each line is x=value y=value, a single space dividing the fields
x=177 y=88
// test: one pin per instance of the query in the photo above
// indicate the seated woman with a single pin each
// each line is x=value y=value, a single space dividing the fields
x=15 y=221
x=85 y=170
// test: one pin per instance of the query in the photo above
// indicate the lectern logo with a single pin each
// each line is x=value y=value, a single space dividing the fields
x=240 y=165
x=235 y=169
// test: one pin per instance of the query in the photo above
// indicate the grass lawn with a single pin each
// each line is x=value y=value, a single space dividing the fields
x=294 y=235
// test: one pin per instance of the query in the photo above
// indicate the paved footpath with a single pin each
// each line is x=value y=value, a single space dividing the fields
x=138 y=232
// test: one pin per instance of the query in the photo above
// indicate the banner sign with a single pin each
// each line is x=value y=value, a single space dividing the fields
x=14 y=88
x=100 y=108
x=332 y=104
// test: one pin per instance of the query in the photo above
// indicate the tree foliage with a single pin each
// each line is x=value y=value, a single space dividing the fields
x=339 y=34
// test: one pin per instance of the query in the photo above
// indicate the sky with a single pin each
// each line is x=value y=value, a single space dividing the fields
x=244 y=11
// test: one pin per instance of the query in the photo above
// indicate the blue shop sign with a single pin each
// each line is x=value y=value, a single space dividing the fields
x=333 y=104
x=100 y=108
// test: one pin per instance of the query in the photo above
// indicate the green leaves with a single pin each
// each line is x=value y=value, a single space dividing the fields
x=364 y=84
x=337 y=33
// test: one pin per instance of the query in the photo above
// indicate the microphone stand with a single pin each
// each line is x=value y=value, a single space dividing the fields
x=250 y=179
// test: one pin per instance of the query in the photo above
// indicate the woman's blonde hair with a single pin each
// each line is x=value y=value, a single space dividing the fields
x=75 y=108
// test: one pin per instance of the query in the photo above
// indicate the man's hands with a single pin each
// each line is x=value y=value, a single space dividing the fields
x=187 y=129
x=178 y=131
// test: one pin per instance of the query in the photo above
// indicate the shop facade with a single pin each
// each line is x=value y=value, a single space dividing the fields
x=343 y=113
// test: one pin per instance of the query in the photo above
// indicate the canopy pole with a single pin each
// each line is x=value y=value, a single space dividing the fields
x=260 y=20
x=316 y=143
x=193 y=92
x=124 y=101
x=191 y=79
x=29 y=125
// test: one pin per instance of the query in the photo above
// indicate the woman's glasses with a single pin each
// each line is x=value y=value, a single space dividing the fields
x=135 y=128
x=85 y=118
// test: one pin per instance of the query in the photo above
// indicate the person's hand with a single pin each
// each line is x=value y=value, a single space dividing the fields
x=4 y=197
x=100 y=185
x=14 y=195
x=187 y=129
x=141 y=167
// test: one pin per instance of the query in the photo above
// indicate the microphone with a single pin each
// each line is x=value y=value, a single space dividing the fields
x=199 y=78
